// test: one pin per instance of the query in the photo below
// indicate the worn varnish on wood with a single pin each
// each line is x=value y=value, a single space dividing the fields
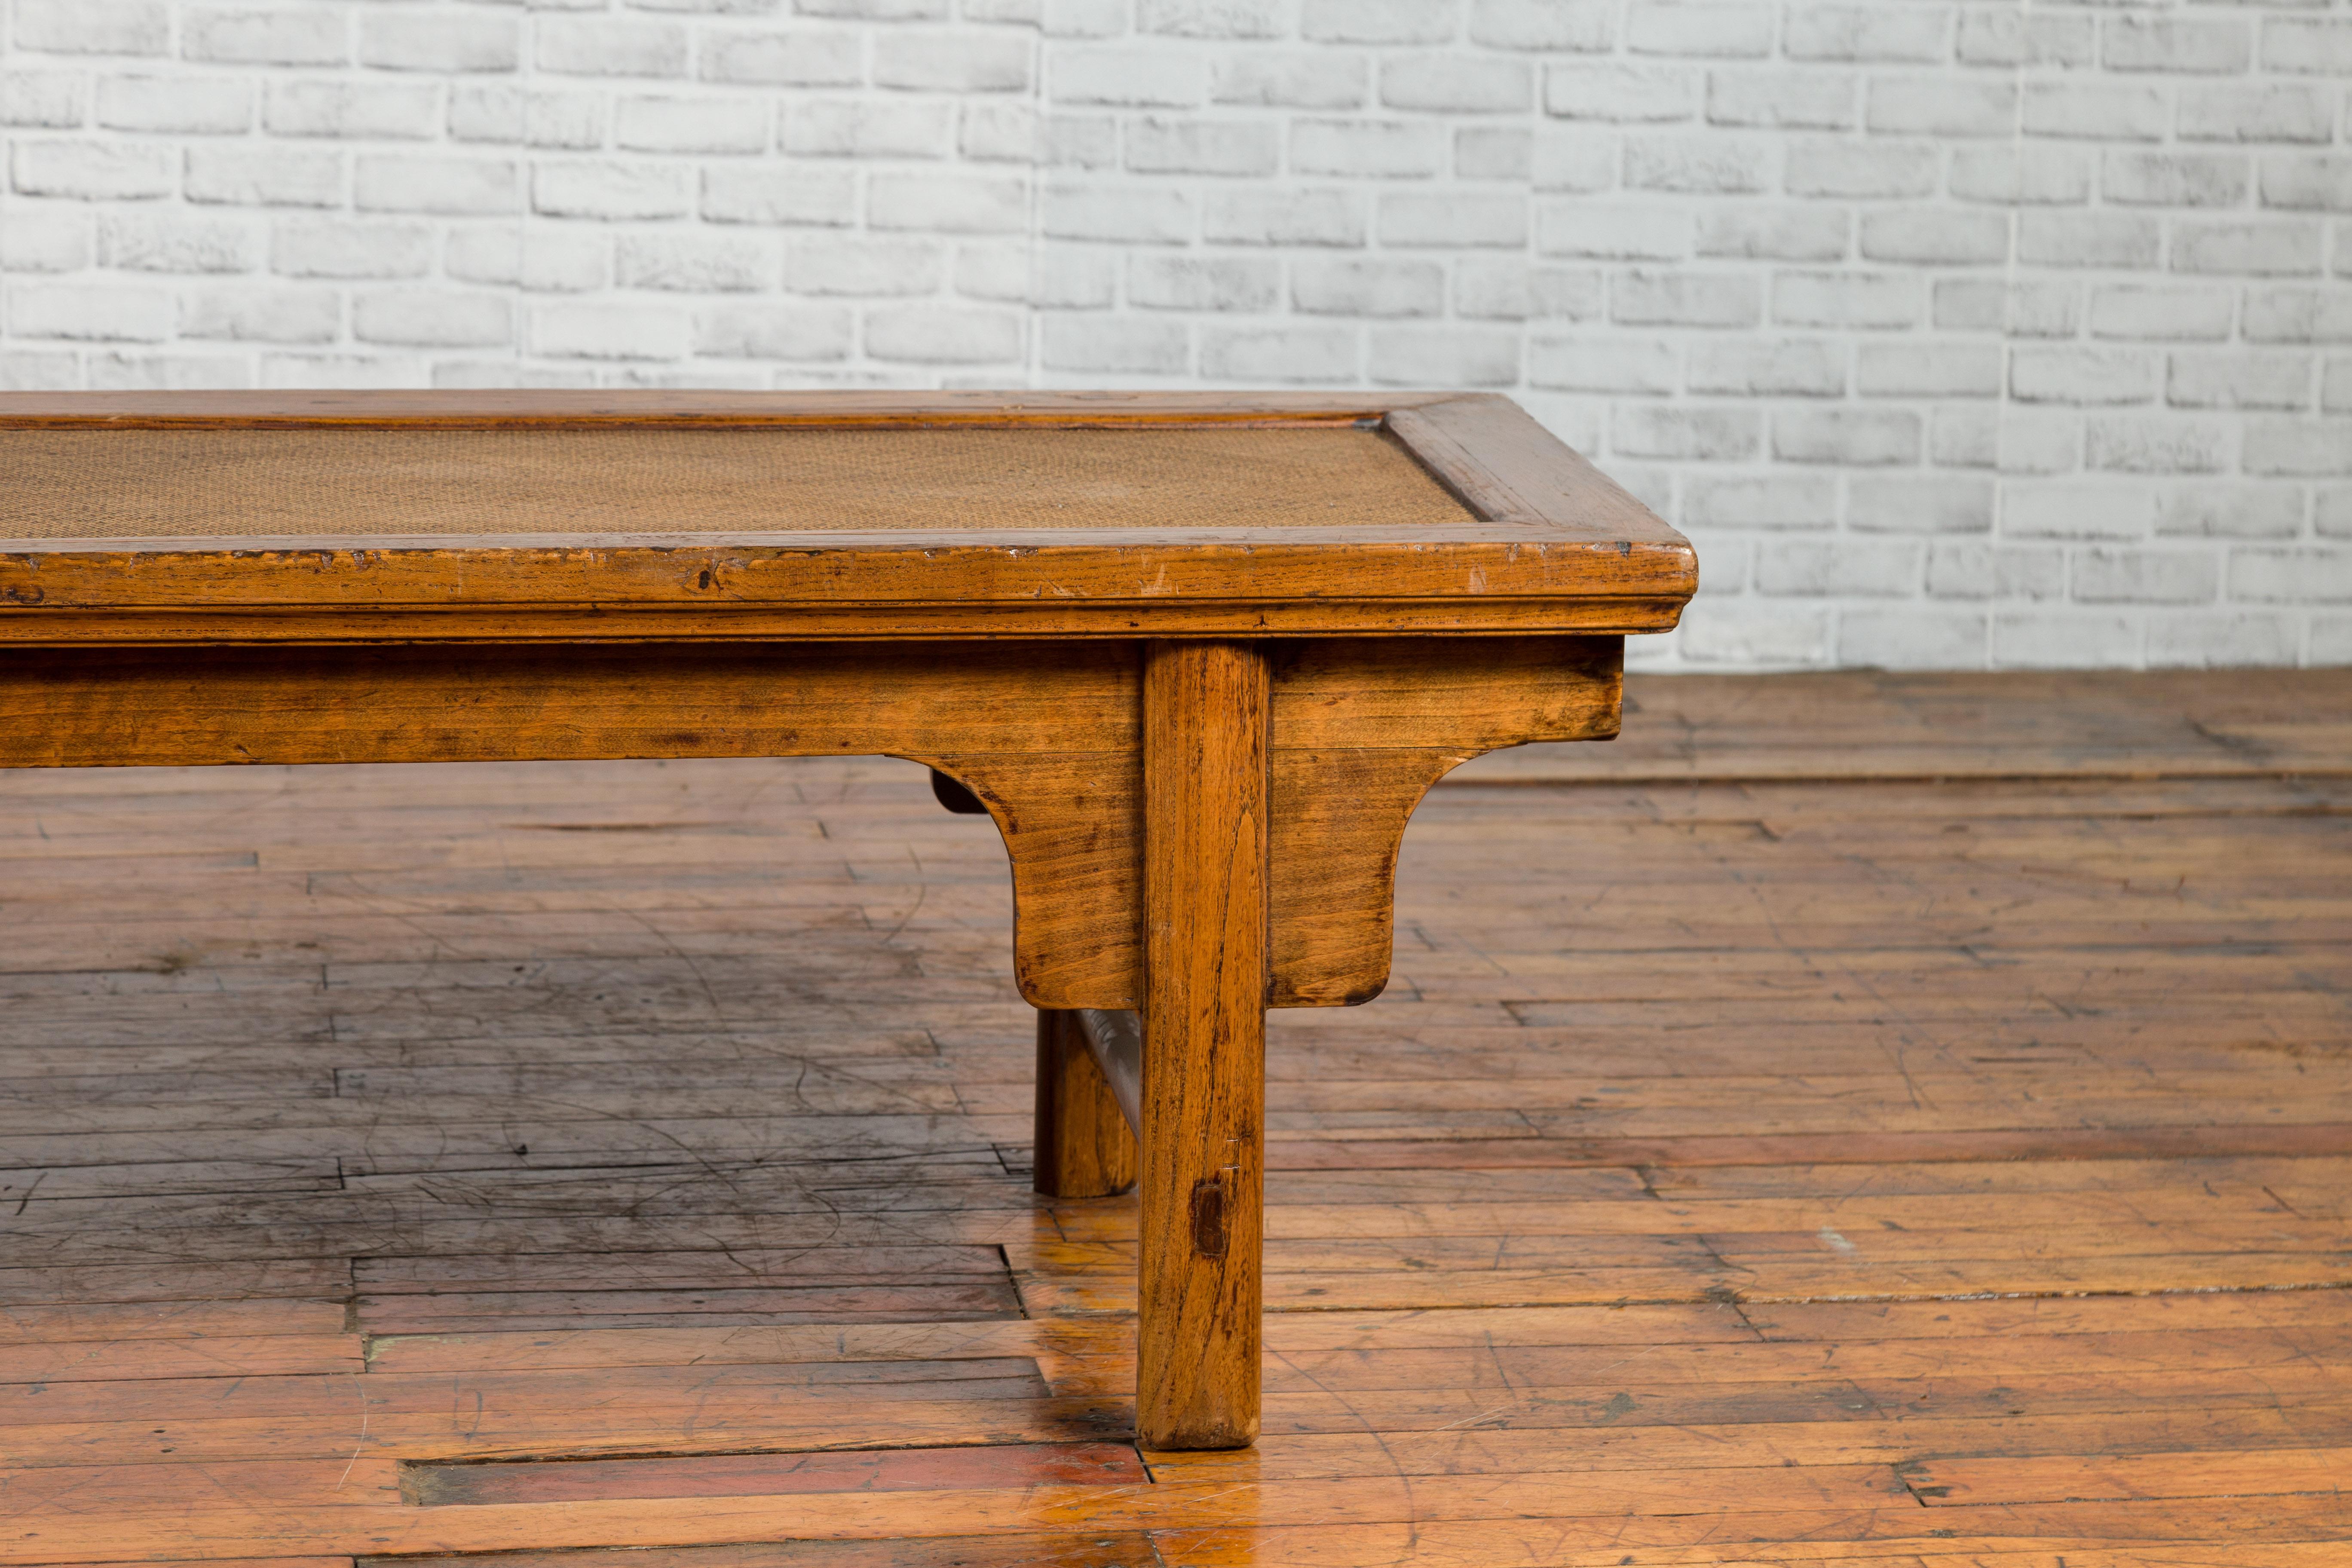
x=1207 y=808
x=1462 y=515
x=1047 y=736
x=515 y=1165
x=1365 y=593
x=518 y=1165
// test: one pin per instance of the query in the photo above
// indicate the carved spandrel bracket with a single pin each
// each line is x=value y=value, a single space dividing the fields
x=1360 y=729
x=1047 y=736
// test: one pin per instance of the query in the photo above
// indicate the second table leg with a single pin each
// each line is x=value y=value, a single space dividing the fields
x=1084 y=1149
x=1203 y=1163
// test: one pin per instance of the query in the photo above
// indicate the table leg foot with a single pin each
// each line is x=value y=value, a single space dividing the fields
x=1084 y=1147
x=1205 y=980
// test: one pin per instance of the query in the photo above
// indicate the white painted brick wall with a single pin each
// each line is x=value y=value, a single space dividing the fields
x=1958 y=333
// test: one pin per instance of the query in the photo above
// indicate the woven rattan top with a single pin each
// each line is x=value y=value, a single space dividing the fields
x=114 y=483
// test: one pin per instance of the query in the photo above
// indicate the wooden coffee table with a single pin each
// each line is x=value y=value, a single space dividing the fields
x=1198 y=656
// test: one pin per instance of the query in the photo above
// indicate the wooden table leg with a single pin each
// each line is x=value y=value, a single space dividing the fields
x=1084 y=1147
x=1204 y=1172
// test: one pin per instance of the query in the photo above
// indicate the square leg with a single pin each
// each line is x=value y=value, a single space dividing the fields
x=1205 y=983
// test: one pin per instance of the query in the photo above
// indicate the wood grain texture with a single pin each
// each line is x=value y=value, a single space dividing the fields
x=247 y=706
x=1505 y=466
x=1071 y=822
x=1582 y=557
x=2102 y=731
x=1082 y=1549
x=1736 y=1164
x=964 y=1466
x=1205 y=982
x=1046 y=737
x=687 y=616
x=1084 y=1148
x=1359 y=732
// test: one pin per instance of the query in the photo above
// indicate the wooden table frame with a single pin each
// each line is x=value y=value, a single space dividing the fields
x=1201 y=747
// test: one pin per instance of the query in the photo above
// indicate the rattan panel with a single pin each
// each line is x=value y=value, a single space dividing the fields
x=209 y=483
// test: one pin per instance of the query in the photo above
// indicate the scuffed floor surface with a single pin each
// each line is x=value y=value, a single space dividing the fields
x=1856 y=1120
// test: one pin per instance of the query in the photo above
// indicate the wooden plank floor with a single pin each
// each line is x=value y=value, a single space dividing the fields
x=1853 y=1120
